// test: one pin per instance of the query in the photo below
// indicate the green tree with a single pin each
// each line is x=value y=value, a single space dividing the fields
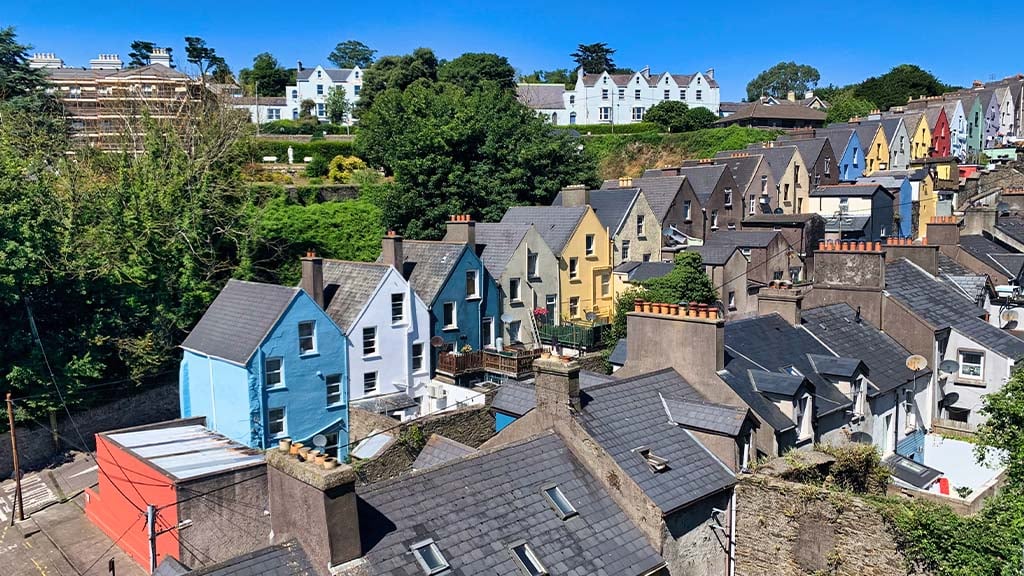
x=17 y=79
x=687 y=282
x=471 y=70
x=782 y=78
x=396 y=72
x=337 y=106
x=844 y=105
x=453 y=152
x=306 y=109
x=669 y=114
x=352 y=53
x=141 y=50
x=203 y=57
x=898 y=85
x=266 y=74
x=594 y=58
x=558 y=76
x=1002 y=433
x=700 y=118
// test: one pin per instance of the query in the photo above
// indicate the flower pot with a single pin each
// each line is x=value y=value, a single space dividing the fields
x=284 y=444
x=320 y=458
x=304 y=453
x=330 y=462
x=295 y=448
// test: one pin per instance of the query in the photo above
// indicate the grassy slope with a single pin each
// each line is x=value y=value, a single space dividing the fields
x=630 y=154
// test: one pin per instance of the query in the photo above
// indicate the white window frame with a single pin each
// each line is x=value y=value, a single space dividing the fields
x=698 y=93
x=558 y=502
x=319 y=89
x=728 y=197
x=337 y=393
x=622 y=93
x=515 y=328
x=604 y=113
x=753 y=205
x=267 y=372
x=574 y=306
x=400 y=318
x=283 y=420
x=419 y=357
x=376 y=382
x=574 y=268
x=637 y=94
x=532 y=262
x=625 y=250
x=686 y=211
x=486 y=331
x=732 y=300
x=311 y=337
x=638 y=113
x=454 y=325
x=515 y=290
x=370 y=347
x=435 y=552
x=764 y=185
x=714 y=219
x=604 y=93
x=667 y=95
x=526 y=559
x=980 y=365
x=606 y=284
x=640 y=232
x=590 y=243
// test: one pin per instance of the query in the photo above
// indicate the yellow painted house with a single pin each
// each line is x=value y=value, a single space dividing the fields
x=928 y=200
x=920 y=134
x=584 y=251
x=875 y=145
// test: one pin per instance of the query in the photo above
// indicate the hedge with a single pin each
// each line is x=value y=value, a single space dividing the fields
x=324 y=148
x=300 y=127
x=636 y=128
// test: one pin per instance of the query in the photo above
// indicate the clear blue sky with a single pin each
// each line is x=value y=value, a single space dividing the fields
x=738 y=38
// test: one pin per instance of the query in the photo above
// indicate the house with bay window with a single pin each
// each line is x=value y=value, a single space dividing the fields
x=266 y=362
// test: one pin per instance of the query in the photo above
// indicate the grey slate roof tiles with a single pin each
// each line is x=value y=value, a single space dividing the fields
x=497 y=242
x=287 y=559
x=837 y=326
x=705 y=416
x=981 y=247
x=835 y=366
x=778 y=158
x=776 y=383
x=619 y=353
x=385 y=403
x=941 y=306
x=703 y=178
x=428 y=265
x=238 y=320
x=475 y=508
x=841 y=190
x=555 y=224
x=660 y=191
x=541 y=96
x=1012 y=226
x=639 y=271
x=440 y=450
x=348 y=287
x=627 y=414
x=610 y=206
x=515 y=398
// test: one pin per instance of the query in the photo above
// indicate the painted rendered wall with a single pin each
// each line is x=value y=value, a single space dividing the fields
x=927 y=202
x=534 y=290
x=958 y=132
x=905 y=207
x=899 y=148
x=876 y=155
x=393 y=360
x=996 y=372
x=920 y=137
x=307 y=90
x=469 y=311
x=975 y=112
x=851 y=163
x=941 y=145
x=587 y=286
x=790 y=183
x=583 y=103
x=642 y=247
x=218 y=390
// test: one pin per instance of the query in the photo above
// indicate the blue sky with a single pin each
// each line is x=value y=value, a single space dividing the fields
x=737 y=38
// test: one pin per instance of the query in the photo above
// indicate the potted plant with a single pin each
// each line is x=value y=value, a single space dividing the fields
x=466 y=349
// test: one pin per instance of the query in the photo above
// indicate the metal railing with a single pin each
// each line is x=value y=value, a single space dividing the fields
x=578 y=336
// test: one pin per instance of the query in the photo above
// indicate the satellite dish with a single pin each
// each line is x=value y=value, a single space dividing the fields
x=949 y=399
x=320 y=441
x=777 y=211
x=917 y=362
x=1008 y=316
x=507 y=318
x=591 y=316
x=949 y=366
x=437 y=342
x=861 y=438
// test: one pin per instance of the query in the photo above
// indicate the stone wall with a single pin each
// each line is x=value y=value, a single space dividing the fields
x=470 y=426
x=787 y=529
x=36 y=447
x=228 y=517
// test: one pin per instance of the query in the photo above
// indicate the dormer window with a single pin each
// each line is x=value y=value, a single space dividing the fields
x=559 y=503
x=527 y=560
x=654 y=462
x=429 y=557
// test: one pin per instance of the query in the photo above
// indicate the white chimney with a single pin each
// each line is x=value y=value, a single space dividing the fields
x=106 y=62
x=45 y=60
x=160 y=56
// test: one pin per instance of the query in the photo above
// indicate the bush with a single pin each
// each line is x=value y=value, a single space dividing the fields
x=300 y=127
x=342 y=168
x=670 y=115
x=326 y=148
x=635 y=128
x=318 y=168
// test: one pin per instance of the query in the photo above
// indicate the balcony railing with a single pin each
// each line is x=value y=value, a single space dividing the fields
x=577 y=336
x=453 y=364
x=511 y=362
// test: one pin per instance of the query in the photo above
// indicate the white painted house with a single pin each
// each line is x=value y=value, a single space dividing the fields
x=316 y=84
x=388 y=329
x=624 y=98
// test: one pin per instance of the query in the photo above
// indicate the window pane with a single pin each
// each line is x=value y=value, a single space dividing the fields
x=306 y=337
x=369 y=341
x=417 y=356
x=528 y=560
x=273 y=371
x=560 y=501
x=275 y=421
x=449 y=314
x=333 y=388
x=369 y=382
x=397 y=307
x=471 y=283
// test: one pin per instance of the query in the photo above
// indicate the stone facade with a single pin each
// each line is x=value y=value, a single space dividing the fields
x=644 y=238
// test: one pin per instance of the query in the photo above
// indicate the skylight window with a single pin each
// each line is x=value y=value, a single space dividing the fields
x=429 y=557
x=527 y=560
x=559 y=502
x=656 y=463
x=791 y=371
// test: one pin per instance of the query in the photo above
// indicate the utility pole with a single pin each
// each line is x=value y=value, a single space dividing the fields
x=151 y=532
x=17 y=467
x=257 y=108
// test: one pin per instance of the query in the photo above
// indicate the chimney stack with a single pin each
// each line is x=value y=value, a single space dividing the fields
x=575 y=195
x=625 y=182
x=943 y=231
x=557 y=385
x=979 y=219
x=313 y=277
x=783 y=298
x=461 y=229
x=106 y=62
x=791 y=96
x=689 y=338
x=160 y=56
x=850 y=272
x=316 y=506
x=391 y=251
x=808 y=94
x=925 y=256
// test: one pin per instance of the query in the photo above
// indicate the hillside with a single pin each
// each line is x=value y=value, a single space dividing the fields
x=630 y=154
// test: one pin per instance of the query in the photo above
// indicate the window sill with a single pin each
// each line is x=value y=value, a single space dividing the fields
x=590 y=256
x=515 y=302
x=374 y=356
x=335 y=405
x=473 y=298
x=450 y=329
x=399 y=324
x=575 y=280
x=278 y=388
x=309 y=355
x=972 y=382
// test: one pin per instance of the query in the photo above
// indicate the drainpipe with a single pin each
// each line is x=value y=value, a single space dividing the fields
x=732 y=535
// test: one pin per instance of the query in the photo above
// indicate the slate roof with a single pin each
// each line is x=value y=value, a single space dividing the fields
x=719 y=248
x=776 y=383
x=703 y=178
x=253 y=101
x=743 y=167
x=866 y=134
x=555 y=224
x=941 y=306
x=839 y=138
x=836 y=366
x=782 y=219
x=515 y=398
x=619 y=353
x=626 y=414
x=851 y=190
x=832 y=223
x=497 y=242
x=541 y=96
x=238 y=320
x=640 y=271
x=660 y=191
x=348 y=287
x=950 y=267
x=778 y=158
x=385 y=403
x=837 y=326
x=335 y=74
x=1008 y=260
x=427 y=265
x=773 y=345
x=439 y=450
x=715 y=254
x=889 y=126
x=475 y=508
x=810 y=149
x=285 y=559
x=783 y=110
x=705 y=416
x=148 y=70
x=1009 y=263
x=610 y=206
x=1012 y=226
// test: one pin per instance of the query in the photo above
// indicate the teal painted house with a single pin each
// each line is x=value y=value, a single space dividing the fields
x=463 y=298
x=264 y=363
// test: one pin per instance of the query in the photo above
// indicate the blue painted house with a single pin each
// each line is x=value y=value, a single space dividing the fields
x=847 y=147
x=898 y=183
x=463 y=298
x=265 y=362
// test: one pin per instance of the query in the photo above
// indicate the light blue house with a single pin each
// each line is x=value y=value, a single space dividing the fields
x=899 y=184
x=265 y=362
x=847 y=147
x=463 y=298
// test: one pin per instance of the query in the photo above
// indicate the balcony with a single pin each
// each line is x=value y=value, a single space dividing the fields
x=454 y=365
x=579 y=336
x=511 y=362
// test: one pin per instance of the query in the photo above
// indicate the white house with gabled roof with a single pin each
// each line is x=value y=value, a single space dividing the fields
x=316 y=84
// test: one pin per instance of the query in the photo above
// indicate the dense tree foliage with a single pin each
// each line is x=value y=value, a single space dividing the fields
x=845 y=105
x=17 y=79
x=472 y=71
x=670 y=115
x=139 y=53
x=594 y=58
x=352 y=53
x=782 y=78
x=454 y=152
x=396 y=72
x=267 y=75
x=560 y=76
x=898 y=85
x=205 y=58
x=337 y=106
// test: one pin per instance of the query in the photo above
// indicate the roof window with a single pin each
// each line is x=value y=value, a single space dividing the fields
x=429 y=557
x=527 y=560
x=559 y=502
x=655 y=462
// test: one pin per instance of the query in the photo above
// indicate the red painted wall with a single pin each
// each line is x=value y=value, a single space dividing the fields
x=118 y=504
x=940 y=136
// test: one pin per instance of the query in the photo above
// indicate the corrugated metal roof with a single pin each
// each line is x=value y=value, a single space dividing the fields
x=187 y=452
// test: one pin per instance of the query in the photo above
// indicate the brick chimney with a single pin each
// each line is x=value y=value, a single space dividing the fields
x=557 y=385
x=575 y=195
x=689 y=338
x=316 y=506
x=461 y=229
x=943 y=231
x=783 y=298
x=313 y=277
x=922 y=254
x=391 y=251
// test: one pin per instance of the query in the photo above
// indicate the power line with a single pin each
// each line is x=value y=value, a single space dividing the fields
x=111 y=547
